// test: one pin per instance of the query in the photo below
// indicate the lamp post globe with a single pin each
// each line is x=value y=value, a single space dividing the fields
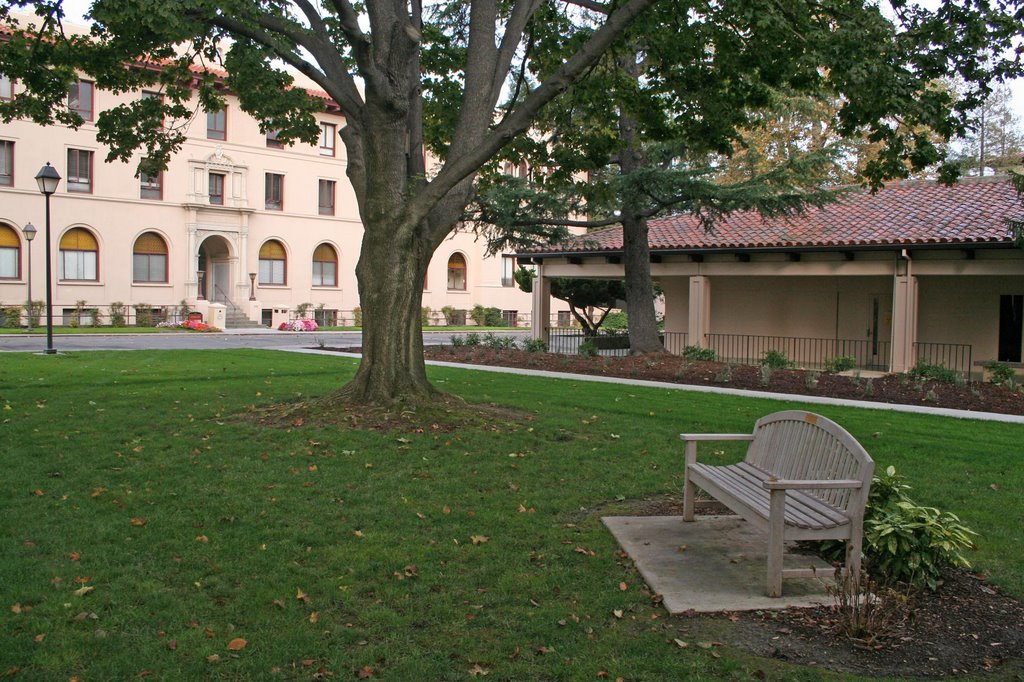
x=30 y=233
x=48 y=178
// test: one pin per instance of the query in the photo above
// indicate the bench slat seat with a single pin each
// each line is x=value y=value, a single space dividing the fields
x=743 y=481
x=804 y=478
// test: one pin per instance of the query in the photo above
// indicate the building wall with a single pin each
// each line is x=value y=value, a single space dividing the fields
x=116 y=215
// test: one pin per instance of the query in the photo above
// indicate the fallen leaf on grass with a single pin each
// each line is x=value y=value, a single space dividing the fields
x=40 y=637
x=623 y=587
x=74 y=556
x=314 y=617
x=82 y=591
x=680 y=643
x=301 y=596
x=213 y=658
x=278 y=603
x=477 y=671
x=202 y=538
x=617 y=613
x=365 y=673
x=357 y=533
x=237 y=644
x=479 y=539
x=138 y=521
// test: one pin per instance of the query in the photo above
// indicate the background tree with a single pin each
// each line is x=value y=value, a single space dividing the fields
x=647 y=131
x=995 y=143
x=404 y=78
x=584 y=296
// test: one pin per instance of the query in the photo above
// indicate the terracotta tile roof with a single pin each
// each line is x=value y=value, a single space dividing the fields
x=910 y=213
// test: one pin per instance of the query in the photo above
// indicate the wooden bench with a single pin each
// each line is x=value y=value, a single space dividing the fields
x=804 y=478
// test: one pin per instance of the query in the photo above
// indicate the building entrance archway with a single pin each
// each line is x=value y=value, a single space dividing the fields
x=214 y=269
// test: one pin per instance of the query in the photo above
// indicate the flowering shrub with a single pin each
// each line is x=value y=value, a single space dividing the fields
x=194 y=325
x=298 y=326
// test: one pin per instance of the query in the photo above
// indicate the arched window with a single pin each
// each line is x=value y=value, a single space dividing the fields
x=325 y=266
x=272 y=262
x=79 y=256
x=149 y=258
x=456 y=272
x=10 y=253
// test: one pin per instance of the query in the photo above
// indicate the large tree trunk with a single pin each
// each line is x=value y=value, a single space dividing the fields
x=636 y=250
x=390 y=275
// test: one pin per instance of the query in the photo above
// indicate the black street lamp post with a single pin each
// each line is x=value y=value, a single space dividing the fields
x=30 y=233
x=48 y=178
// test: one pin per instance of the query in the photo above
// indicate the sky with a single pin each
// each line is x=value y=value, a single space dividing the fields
x=76 y=9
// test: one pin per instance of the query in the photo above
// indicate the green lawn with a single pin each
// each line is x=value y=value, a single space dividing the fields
x=418 y=556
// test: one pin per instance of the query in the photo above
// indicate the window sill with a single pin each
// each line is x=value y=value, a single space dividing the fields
x=79 y=282
x=157 y=285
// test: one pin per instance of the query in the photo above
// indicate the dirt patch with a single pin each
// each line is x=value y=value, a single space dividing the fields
x=891 y=388
x=442 y=414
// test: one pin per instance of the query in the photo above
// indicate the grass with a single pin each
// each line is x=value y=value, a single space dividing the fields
x=415 y=556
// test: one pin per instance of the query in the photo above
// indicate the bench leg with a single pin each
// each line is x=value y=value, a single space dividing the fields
x=776 y=535
x=853 y=550
x=688 y=488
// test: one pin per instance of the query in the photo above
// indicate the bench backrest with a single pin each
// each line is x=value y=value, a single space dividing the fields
x=802 y=445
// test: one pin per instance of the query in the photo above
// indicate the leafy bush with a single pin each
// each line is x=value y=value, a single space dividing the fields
x=588 y=349
x=487 y=317
x=425 y=315
x=811 y=380
x=449 y=314
x=143 y=315
x=840 y=363
x=117 y=313
x=940 y=373
x=700 y=354
x=472 y=339
x=904 y=541
x=458 y=341
x=11 y=316
x=766 y=374
x=357 y=317
x=535 y=346
x=492 y=340
x=724 y=376
x=1001 y=374
x=775 y=359
x=615 y=321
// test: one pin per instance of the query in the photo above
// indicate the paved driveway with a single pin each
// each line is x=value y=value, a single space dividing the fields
x=193 y=341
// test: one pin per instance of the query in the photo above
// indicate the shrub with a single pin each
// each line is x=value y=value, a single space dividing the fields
x=697 y=353
x=535 y=346
x=458 y=341
x=117 y=313
x=724 y=376
x=775 y=359
x=94 y=317
x=840 y=363
x=143 y=315
x=492 y=340
x=766 y=374
x=487 y=317
x=904 y=541
x=302 y=309
x=12 y=316
x=811 y=380
x=937 y=372
x=1000 y=374
x=357 y=317
x=615 y=321
x=588 y=349
x=472 y=339
x=425 y=315
x=449 y=314
x=35 y=312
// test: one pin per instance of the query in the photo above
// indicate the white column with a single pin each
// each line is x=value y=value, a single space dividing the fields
x=700 y=311
x=904 y=323
x=541 y=316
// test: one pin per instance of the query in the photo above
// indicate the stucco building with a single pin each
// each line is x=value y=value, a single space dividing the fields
x=237 y=219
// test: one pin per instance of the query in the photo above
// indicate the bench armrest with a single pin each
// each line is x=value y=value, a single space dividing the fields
x=790 y=484
x=715 y=436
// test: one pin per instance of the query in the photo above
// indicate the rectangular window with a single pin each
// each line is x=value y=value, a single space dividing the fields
x=274 y=192
x=9 y=262
x=508 y=268
x=151 y=186
x=149 y=267
x=6 y=163
x=271 y=271
x=217 y=125
x=272 y=140
x=326 y=197
x=77 y=265
x=6 y=87
x=80 y=99
x=79 y=170
x=328 y=135
x=217 y=189
x=325 y=274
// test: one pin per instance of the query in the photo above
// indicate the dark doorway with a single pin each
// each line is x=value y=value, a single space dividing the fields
x=1011 y=316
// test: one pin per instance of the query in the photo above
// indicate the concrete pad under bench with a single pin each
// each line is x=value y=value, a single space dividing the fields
x=721 y=568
